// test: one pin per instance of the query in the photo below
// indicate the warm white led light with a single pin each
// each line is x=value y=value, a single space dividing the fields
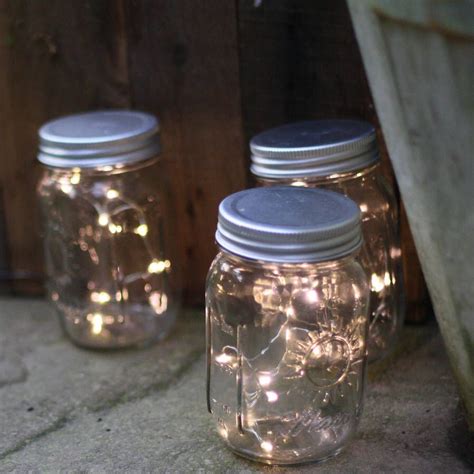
x=271 y=396
x=112 y=194
x=103 y=219
x=115 y=229
x=97 y=323
x=376 y=283
x=264 y=380
x=158 y=266
x=266 y=446
x=142 y=230
x=100 y=297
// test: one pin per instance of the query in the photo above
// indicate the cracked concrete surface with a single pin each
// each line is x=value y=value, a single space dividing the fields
x=66 y=409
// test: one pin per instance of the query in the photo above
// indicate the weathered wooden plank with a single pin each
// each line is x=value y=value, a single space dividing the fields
x=184 y=67
x=299 y=61
x=55 y=58
x=420 y=61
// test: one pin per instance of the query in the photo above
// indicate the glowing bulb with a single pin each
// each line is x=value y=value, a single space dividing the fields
x=266 y=446
x=100 y=297
x=158 y=301
x=76 y=178
x=395 y=252
x=112 y=194
x=158 y=266
x=224 y=358
x=363 y=207
x=97 y=323
x=312 y=296
x=103 y=219
x=376 y=283
x=299 y=183
x=271 y=396
x=142 y=230
x=264 y=380
x=115 y=229
x=66 y=188
x=386 y=279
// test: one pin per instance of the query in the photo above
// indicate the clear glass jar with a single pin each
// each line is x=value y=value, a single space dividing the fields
x=109 y=272
x=286 y=340
x=346 y=160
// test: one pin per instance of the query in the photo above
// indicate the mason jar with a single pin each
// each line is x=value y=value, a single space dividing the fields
x=342 y=155
x=110 y=274
x=286 y=315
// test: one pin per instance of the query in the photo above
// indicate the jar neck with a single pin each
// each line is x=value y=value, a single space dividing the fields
x=106 y=170
x=362 y=173
x=288 y=267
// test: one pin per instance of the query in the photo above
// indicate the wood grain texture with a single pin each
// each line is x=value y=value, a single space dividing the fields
x=184 y=67
x=56 y=58
x=176 y=59
x=215 y=72
x=300 y=61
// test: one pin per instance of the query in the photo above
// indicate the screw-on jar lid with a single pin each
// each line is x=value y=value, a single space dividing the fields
x=315 y=148
x=289 y=224
x=91 y=139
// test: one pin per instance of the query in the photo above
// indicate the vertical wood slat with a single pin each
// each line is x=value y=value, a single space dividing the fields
x=55 y=59
x=184 y=67
x=300 y=61
x=162 y=57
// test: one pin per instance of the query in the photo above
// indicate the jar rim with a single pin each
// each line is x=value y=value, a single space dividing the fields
x=99 y=138
x=289 y=224
x=313 y=148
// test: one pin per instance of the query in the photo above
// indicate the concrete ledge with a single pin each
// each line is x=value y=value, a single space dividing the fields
x=67 y=409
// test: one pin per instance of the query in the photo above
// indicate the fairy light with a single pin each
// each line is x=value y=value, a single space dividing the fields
x=158 y=301
x=264 y=380
x=267 y=446
x=103 y=219
x=158 y=266
x=312 y=296
x=66 y=188
x=363 y=207
x=386 y=279
x=271 y=396
x=97 y=322
x=224 y=358
x=115 y=229
x=376 y=283
x=76 y=178
x=100 y=297
x=141 y=230
x=112 y=194
x=300 y=184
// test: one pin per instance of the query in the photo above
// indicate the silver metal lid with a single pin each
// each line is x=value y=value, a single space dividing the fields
x=289 y=224
x=314 y=148
x=91 y=139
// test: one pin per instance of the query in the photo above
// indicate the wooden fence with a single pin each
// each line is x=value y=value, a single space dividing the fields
x=215 y=72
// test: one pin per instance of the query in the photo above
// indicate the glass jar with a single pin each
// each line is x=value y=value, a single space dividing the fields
x=342 y=155
x=286 y=315
x=109 y=272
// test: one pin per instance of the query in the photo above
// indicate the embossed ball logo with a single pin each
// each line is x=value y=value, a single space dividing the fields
x=327 y=362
